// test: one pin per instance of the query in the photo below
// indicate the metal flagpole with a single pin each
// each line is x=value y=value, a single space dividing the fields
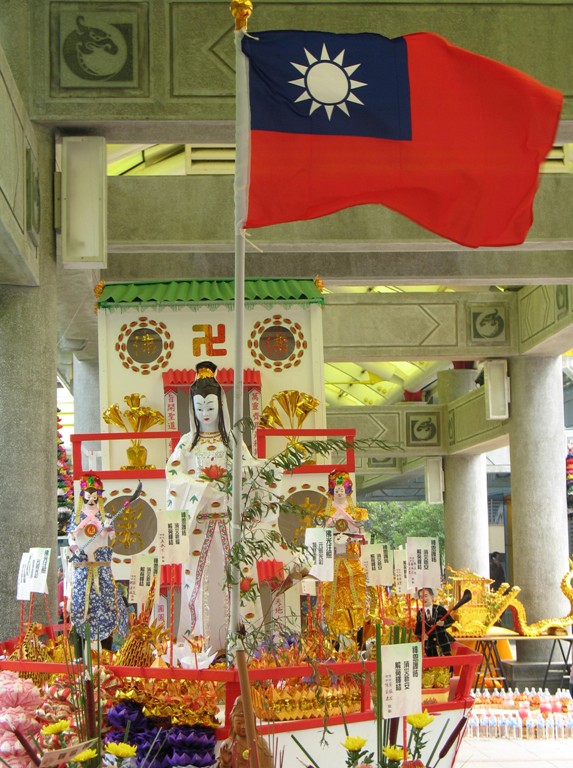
x=241 y=11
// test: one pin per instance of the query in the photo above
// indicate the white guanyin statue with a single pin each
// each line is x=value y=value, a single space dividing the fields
x=202 y=456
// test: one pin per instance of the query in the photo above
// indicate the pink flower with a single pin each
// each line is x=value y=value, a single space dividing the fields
x=17 y=717
x=15 y=692
x=9 y=745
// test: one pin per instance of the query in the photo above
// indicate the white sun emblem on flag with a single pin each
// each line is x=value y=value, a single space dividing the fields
x=327 y=83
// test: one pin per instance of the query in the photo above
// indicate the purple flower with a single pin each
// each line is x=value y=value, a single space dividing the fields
x=179 y=758
x=120 y=714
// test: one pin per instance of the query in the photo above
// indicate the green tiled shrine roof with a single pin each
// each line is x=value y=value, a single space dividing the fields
x=192 y=291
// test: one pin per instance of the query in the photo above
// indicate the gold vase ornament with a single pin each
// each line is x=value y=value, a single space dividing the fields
x=136 y=418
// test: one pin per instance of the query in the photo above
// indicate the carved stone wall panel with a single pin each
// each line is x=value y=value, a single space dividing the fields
x=536 y=312
x=545 y=319
x=11 y=157
x=19 y=187
x=488 y=324
x=369 y=423
x=99 y=50
x=414 y=430
x=467 y=424
x=203 y=52
x=418 y=326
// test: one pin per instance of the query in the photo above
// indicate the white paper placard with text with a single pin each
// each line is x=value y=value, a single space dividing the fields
x=401 y=679
x=173 y=537
x=401 y=572
x=38 y=565
x=320 y=550
x=423 y=558
x=378 y=563
x=23 y=591
x=143 y=569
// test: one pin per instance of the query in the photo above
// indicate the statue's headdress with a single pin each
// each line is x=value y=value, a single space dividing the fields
x=337 y=477
x=205 y=370
x=91 y=482
x=206 y=384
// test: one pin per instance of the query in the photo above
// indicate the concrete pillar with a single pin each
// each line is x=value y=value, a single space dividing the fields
x=28 y=416
x=465 y=513
x=87 y=411
x=465 y=496
x=539 y=511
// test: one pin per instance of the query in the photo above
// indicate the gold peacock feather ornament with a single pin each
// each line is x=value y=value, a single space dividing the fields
x=292 y=407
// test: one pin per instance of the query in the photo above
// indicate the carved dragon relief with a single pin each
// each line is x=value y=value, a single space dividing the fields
x=486 y=607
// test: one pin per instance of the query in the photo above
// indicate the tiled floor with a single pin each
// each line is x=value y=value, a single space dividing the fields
x=503 y=753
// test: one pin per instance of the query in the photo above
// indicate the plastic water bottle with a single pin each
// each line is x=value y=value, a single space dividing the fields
x=503 y=727
x=541 y=728
x=484 y=726
x=473 y=727
x=529 y=728
x=517 y=727
x=559 y=727
x=550 y=726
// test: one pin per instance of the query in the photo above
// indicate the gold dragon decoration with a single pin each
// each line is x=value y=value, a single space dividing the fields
x=486 y=607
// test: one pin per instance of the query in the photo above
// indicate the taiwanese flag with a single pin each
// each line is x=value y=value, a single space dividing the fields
x=447 y=138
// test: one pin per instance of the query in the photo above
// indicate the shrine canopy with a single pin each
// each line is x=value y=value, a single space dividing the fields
x=174 y=292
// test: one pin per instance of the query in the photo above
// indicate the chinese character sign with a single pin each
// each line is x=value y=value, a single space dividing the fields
x=37 y=573
x=255 y=410
x=423 y=562
x=401 y=573
x=171 y=421
x=173 y=537
x=378 y=563
x=23 y=591
x=320 y=545
x=401 y=679
x=143 y=569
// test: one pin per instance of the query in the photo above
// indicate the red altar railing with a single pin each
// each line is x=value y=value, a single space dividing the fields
x=464 y=663
x=349 y=464
x=118 y=474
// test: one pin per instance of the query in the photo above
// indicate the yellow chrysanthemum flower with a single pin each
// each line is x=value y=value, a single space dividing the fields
x=121 y=749
x=420 y=720
x=392 y=752
x=83 y=757
x=52 y=728
x=353 y=743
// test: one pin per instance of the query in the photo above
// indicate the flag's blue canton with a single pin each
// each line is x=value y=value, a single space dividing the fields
x=385 y=95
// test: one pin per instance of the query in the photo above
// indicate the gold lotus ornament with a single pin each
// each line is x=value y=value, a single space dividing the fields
x=294 y=407
x=136 y=418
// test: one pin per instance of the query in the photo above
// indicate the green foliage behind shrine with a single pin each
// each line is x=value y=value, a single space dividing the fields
x=394 y=521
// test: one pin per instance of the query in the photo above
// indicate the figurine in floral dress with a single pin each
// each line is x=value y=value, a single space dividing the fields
x=95 y=602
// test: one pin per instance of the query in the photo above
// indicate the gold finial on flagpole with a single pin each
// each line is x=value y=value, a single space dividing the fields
x=240 y=11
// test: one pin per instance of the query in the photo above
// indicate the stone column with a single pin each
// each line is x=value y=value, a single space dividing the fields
x=87 y=411
x=465 y=496
x=28 y=416
x=465 y=513
x=539 y=509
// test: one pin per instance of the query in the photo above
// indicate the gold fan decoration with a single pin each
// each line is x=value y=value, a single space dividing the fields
x=136 y=418
x=291 y=406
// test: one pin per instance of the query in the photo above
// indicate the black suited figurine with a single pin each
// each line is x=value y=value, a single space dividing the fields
x=436 y=621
